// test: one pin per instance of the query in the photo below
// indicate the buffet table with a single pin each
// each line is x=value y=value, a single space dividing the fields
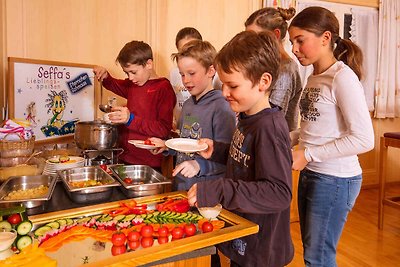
x=193 y=251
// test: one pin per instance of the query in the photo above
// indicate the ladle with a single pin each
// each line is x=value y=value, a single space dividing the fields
x=32 y=155
x=103 y=107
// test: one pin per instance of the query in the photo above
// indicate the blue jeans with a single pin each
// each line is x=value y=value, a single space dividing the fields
x=324 y=202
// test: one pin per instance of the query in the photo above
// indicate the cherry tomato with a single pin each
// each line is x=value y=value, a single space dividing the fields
x=128 y=180
x=207 y=227
x=117 y=250
x=134 y=244
x=190 y=229
x=147 y=231
x=147 y=241
x=148 y=142
x=14 y=218
x=134 y=236
x=177 y=233
x=162 y=239
x=163 y=231
x=118 y=239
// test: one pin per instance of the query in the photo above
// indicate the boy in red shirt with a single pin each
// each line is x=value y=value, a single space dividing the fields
x=150 y=102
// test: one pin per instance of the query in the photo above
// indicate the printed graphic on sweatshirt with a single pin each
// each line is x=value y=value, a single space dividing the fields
x=236 y=149
x=190 y=129
x=308 y=110
x=240 y=246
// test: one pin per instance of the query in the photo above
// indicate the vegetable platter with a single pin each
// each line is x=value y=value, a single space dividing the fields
x=132 y=232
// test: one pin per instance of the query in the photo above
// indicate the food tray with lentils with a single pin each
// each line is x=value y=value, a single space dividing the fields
x=134 y=231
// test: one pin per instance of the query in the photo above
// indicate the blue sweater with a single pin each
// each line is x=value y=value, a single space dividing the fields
x=209 y=117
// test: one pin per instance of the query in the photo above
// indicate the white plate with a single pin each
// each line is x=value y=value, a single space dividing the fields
x=140 y=144
x=72 y=161
x=185 y=145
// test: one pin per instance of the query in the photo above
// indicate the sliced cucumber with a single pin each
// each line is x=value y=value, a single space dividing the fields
x=24 y=241
x=130 y=217
x=118 y=218
x=83 y=220
x=54 y=225
x=153 y=220
x=24 y=227
x=96 y=217
x=174 y=214
x=106 y=219
x=149 y=216
x=62 y=222
x=69 y=221
x=103 y=216
x=42 y=230
x=5 y=225
x=55 y=160
x=167 y=213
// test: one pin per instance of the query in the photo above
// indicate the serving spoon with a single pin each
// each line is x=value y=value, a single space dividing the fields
x=103 y=107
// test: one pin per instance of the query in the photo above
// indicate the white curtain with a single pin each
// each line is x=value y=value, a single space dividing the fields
x=364 y=32
x=388 y=76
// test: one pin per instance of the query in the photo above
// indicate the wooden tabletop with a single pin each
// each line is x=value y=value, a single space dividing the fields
x=236 y=227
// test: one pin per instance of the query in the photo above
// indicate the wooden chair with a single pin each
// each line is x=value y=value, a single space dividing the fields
x=387 y=140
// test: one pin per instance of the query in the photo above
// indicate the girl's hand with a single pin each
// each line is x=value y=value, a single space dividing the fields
x=188 y=168
x=192 y=195
x=160 y=145
x=100 y=73
x=299 y=160
x=119 y=115
x=208 y=152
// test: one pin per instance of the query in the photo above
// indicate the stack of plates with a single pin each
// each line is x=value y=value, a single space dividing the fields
x=51 y=168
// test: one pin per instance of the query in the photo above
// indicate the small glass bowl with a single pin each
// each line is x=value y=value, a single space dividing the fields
x=210 y=212
x=7 y=237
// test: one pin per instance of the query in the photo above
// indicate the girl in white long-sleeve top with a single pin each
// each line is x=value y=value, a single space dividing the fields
x=335 y=127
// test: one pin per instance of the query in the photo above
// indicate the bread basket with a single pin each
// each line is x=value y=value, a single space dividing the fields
x=16 y=148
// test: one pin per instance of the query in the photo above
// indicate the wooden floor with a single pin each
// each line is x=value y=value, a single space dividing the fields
x=362 y=244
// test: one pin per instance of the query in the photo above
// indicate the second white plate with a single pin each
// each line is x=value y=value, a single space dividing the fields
x=140 y=144
x=185 y=145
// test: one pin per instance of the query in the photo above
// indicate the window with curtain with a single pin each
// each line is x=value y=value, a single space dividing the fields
x=388 y=70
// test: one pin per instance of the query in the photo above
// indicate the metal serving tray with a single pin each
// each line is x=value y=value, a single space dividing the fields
x=146 y=180
x=27 y=182
x=87 y=194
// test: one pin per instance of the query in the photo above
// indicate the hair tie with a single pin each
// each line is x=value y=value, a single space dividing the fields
x=338 y=40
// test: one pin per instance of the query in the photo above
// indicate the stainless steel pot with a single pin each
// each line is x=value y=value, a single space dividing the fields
x=95 y=135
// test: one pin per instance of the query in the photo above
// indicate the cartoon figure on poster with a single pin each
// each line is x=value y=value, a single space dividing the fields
x=31 y=114
x=56 y=104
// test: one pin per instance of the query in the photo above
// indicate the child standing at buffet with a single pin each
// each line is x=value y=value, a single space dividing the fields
x=150 y=102
x=287 y=89
x=184 y=36
x=335 y=127
x=258 y=180
x=205 y=114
